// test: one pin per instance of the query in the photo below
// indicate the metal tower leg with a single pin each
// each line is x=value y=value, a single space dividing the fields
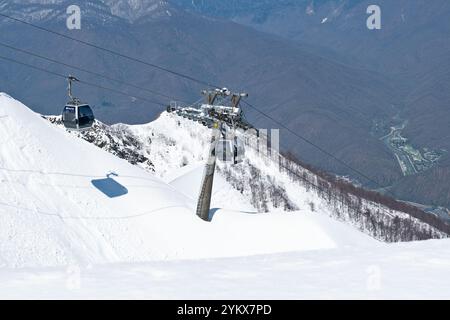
x=204 y=199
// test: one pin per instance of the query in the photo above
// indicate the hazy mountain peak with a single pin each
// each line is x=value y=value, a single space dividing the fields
x=133 y=10
x=102 y=10
x=51 y=10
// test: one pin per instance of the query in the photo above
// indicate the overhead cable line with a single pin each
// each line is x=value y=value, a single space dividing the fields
x=83 y=82
x=89 y=44
x=86 y=71
x=313 y=144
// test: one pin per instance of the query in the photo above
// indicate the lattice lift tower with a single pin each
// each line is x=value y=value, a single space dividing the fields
x=225 y=146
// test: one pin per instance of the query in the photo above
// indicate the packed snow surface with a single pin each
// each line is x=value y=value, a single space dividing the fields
x=400 y=271
x=78 y=222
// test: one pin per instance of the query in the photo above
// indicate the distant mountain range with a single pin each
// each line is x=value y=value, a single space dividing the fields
x=334 y=83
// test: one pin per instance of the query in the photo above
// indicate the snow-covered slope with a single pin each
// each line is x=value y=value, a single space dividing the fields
x=417 y=270
x=60 y=204
x=174 y=146
x=52 y=211
x=170 y=146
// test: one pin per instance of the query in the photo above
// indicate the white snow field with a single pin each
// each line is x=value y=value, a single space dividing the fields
x=78 y=222
x=400 y=271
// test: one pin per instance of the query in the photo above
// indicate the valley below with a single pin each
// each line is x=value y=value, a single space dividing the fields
x=410 y=159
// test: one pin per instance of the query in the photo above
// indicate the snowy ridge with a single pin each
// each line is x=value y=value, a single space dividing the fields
x=101 y=11
x=172 y=143
x=117 y=140
x=65 y=201
x=133 y=10
x=41 y=11
x=289 y=186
